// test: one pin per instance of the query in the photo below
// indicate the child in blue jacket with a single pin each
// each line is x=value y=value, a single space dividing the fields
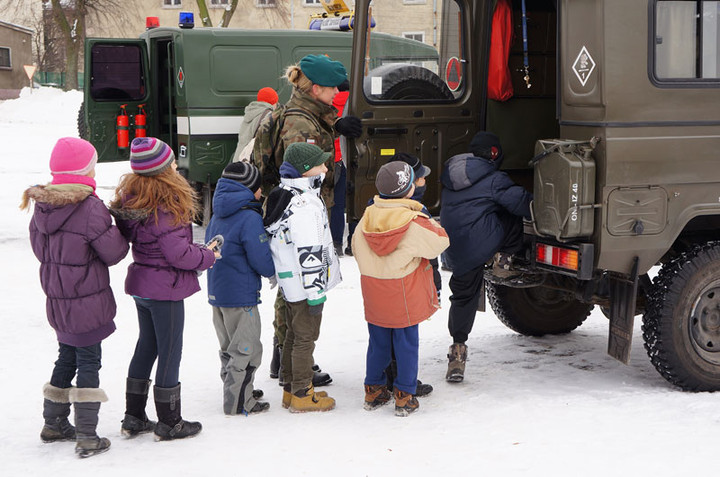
x=234 y=284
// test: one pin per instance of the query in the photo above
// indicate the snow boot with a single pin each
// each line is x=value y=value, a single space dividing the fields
x=423 y=389
x=319 y=378
x=136 y=421
x=405 y=403
x=307 y=400
x=287 y=396
x=457 y=355
x=170 y=422
x=56 y=409
x=87 y=406
x=376 y=395
x=502 y=265
x=275 y=361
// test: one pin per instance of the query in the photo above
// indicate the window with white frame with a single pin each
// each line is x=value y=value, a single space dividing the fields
x=312 y=3
x=5 y=61
x=414 y=2
x=219 y=3
x=265 y=3
x=414 y=35
x=172 y=3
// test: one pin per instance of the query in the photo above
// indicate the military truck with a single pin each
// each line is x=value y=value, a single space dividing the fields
x=613 y=126
x=189 y=87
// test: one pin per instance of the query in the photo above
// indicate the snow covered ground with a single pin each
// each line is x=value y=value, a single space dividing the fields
x=541 y=406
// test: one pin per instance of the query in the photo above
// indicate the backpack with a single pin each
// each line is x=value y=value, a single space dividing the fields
x=268 y=149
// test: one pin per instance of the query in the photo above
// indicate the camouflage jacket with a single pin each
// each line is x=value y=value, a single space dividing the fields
x=313 y=125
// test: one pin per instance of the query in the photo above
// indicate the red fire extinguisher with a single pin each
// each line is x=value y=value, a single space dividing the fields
x=123 y=128
x=141 y=122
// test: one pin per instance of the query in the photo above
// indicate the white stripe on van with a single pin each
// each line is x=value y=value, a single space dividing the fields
x=209 y=124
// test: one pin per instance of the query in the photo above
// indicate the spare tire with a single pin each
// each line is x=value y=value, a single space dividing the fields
x=406 y=81
x=83 y=132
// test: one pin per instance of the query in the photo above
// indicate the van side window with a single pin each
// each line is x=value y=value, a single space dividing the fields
x=686 y=40
x=117 y=73
x=408 y=62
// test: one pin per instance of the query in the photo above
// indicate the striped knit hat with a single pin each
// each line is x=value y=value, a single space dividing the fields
x=150 y=156
x=244 y=173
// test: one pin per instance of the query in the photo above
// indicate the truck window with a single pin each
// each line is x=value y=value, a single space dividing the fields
x=407 y=62
x=686 y=36
x=117 y=73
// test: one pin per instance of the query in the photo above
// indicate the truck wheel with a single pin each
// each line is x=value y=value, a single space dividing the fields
x=681 y=325
x=537 y=311
x=407 y=81
x=81 y=126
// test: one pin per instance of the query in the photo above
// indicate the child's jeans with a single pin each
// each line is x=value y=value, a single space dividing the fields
x=83 y=361
x=405 y=342
x=161 y=337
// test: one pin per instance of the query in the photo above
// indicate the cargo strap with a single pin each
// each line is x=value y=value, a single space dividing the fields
x=526 y=61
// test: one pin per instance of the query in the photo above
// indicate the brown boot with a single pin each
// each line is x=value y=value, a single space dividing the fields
x=405 y=403
x=287 y=396
x=376 y=395
x=457 y=355
x=307 y=400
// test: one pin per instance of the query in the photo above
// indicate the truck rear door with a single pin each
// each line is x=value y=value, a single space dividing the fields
x=420 y=90
x=116 y=74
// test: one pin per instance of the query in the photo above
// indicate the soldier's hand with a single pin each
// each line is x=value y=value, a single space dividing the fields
x=349 y=126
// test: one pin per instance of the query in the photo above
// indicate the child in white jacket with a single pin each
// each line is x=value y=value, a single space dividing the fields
x=306 y=267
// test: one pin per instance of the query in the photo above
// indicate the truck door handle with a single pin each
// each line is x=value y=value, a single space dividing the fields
x=397 y=131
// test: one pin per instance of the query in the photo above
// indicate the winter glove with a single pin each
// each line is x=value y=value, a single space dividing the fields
x=273 y=281
x=215 y=244
x=316 y=310
x=349 y=126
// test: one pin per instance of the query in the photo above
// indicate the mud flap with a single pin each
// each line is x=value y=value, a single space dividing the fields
x=623 y=297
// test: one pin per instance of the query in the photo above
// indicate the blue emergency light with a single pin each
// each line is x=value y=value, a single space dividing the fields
x=187 y=20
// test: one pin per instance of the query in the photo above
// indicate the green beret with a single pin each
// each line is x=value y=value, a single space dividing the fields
x=323 y=71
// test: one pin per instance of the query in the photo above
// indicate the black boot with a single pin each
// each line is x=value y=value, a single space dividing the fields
x=136 y=421
x=56 y=409
x=319 y=378
x=275 y=361
x=170 y=422
x=87 y=406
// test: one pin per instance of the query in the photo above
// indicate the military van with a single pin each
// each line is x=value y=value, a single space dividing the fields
x=189 y=87
x=612 y=124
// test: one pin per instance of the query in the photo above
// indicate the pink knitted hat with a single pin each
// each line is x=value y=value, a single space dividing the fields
x=72 y=156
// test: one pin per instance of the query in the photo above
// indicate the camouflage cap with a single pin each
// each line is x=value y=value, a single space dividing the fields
x=303 y=156
x=323 y=71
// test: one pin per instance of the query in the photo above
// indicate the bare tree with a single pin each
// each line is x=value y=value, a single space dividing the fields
x=276 y=16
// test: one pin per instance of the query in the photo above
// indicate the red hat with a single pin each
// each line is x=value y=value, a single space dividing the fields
x=267 y=95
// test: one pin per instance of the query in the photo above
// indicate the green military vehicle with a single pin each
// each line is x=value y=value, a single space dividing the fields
x=613 y=126
x=189 y=87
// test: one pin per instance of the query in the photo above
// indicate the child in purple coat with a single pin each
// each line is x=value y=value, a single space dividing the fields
x=72 y=235
x=154 y=207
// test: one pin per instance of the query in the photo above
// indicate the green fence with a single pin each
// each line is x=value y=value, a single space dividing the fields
x=49 y=78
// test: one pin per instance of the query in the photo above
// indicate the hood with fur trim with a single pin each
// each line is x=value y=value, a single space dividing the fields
x=55 y=204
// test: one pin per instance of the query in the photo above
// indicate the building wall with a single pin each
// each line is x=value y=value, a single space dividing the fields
x=19 y=40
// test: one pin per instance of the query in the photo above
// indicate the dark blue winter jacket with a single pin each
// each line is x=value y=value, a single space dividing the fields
x=234 y=280
x=476 y=198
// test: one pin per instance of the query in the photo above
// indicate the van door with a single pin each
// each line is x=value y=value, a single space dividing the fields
x=419 y=93
x=116 y=74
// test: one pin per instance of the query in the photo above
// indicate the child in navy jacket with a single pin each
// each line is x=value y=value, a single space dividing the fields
x=234 y=284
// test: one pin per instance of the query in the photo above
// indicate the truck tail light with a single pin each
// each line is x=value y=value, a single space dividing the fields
x=556 y=256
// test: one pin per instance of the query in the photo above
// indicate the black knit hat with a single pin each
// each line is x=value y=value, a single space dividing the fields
x=419 y=169
x=244 y=173
x=394 y=180
x=486 y=145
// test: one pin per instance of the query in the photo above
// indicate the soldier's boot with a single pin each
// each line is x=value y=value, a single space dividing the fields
x=56 y=409
x=376 y=395
x=87 y=406
x=307 y=400
x=136 y=421
x=170 y=424
x=457 y=355
x=275 y=361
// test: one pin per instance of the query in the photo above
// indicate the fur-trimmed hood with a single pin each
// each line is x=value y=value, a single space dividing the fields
x=54 y=204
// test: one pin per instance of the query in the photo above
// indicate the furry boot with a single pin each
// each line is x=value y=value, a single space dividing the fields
x=87 y=406
x=56 y=409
